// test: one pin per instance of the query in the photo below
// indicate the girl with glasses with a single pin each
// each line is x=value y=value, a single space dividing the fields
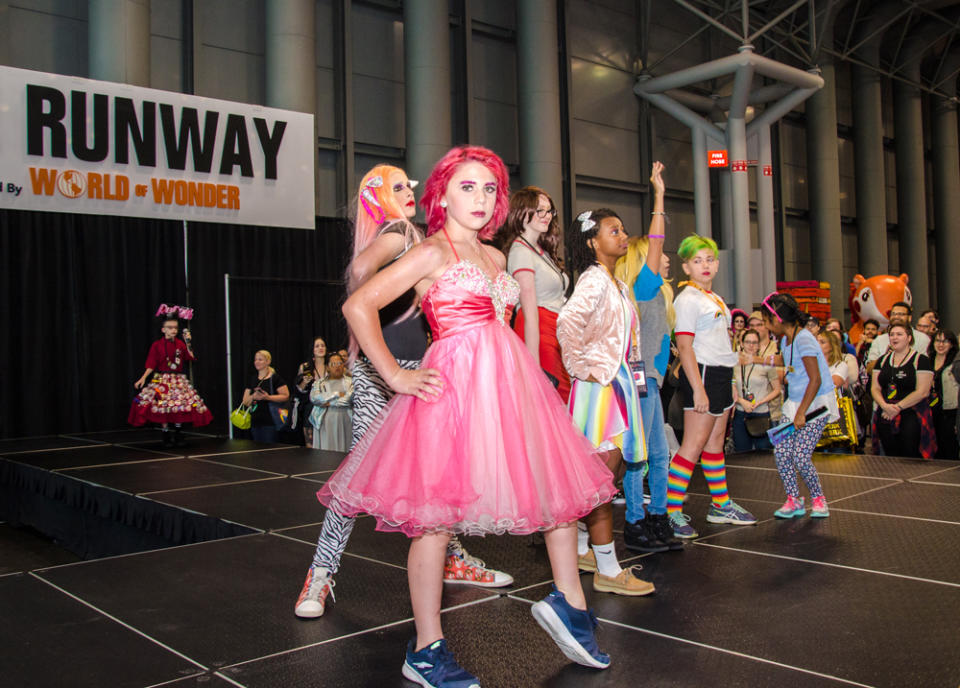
x=531 y=239
x=943 y=399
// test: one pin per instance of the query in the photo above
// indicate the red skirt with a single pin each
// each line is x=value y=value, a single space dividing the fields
x=550 y=359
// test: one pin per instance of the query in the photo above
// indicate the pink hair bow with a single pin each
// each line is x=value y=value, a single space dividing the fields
x=368 y=198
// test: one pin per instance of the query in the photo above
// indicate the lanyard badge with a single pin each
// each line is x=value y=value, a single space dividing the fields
x=639 y=377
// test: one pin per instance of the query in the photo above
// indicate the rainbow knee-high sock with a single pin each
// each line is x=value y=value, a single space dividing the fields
x=681 y=470
x=715 y=471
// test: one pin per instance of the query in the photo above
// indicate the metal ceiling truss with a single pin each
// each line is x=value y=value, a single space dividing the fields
x=795 y=30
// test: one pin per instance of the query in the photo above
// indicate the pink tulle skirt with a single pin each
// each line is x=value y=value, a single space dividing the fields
x=497 y=453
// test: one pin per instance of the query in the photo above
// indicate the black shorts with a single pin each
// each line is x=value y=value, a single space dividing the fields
x=717 y=381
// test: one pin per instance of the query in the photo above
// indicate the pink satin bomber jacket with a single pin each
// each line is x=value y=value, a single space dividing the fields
x=590 y=327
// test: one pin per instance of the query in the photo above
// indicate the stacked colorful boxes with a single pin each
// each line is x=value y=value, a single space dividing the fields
x=813 y=296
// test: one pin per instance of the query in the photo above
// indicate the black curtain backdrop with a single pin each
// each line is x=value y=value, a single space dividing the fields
x=80 y=291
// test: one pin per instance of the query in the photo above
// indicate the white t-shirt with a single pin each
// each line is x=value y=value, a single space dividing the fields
x=707 y=318
x=549 y=280
x=881 y=343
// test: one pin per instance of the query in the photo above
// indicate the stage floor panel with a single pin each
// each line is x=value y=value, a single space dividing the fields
x=920 y=500
x=949 y=476
x=232 y=600
x=848 y=624
x=765 y=484
x=32 y=444
x=82 y=457
x=50 y=639
x=851 y=464
x=522 y=556
x=292 y=461
x=499 y=641
x=869 y=596
x=23 y=549
x=904 y=547
x=268 y=504
x=145 y=477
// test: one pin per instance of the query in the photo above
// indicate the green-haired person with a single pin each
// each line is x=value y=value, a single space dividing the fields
x=706 y=388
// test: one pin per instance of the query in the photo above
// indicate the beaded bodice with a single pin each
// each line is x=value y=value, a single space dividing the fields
x=449 y=309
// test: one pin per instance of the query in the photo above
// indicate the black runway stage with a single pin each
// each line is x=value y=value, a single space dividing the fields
x=867 y=597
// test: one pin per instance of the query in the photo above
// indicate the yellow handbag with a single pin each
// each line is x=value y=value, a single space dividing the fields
x=240 y=417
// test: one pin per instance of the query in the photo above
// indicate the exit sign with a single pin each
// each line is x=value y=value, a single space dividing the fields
x=717 y=158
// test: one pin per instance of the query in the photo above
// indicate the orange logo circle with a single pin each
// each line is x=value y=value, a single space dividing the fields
x=72 y=183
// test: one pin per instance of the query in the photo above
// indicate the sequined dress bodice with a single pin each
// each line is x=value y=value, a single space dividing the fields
x=465 y=297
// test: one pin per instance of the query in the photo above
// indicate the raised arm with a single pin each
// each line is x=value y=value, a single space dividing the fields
x=657 y=224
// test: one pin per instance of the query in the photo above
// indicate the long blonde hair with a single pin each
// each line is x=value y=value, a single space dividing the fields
x=629 y=266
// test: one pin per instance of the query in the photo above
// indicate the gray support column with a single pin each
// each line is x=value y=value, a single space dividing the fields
x=701 y=183
x=538 y=86
x=291 y=43
x=740 y=183
x=767 y=235
x=911 y=193
x=119 y=41
x=868 y=162
x=291 y=63
x=946 y=207
x=726 y=210
x=740 y=207
x=426 y=43
x=823 y=163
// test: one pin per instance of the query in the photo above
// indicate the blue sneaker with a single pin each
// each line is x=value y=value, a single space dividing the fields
x=435 y=667
x=792 y=508
x=571 y=629
x=732 y=513
x=680 y=523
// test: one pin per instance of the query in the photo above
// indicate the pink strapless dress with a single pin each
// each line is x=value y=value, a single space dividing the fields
x=496 y=453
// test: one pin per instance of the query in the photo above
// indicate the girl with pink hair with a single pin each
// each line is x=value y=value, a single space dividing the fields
x=456 y=451
x=383 y=232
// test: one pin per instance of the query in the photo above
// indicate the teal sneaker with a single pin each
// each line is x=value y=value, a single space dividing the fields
x=681 y=525
x=792 y=508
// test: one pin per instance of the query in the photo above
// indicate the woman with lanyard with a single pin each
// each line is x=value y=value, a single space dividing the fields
x=599 y=335
x=809 y=389
x=901 y=383
x=531 y=238
x=706 y=389
x=755 y=386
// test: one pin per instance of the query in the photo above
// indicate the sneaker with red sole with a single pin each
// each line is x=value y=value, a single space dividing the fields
x=313 y=597
x=463 y=568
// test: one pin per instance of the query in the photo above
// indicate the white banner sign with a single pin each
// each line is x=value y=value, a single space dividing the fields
x=81 y=146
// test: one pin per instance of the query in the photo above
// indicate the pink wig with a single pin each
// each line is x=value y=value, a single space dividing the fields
x=375 y=206
x=443 y=172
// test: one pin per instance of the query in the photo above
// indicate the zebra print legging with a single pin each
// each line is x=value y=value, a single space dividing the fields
x=370 y=395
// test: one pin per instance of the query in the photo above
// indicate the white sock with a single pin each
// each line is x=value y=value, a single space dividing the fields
x=607 y=563
x=583 y=540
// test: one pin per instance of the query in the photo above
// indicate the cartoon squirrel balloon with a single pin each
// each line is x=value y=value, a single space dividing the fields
x=873 y=297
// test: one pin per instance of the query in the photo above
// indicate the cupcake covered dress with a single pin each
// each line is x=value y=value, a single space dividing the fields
x=495 y=453
x=169 y=397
